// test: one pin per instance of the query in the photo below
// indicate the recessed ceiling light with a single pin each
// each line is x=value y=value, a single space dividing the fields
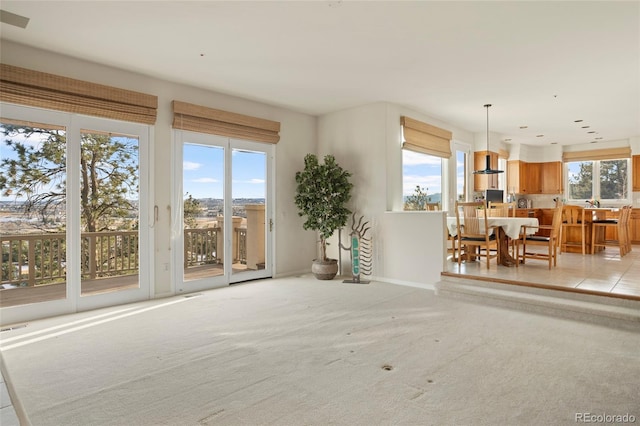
x=539 y=136
x=585 y=127
x=578 y=121
x=524 y=127
x=598 y=138
x=593 y=142
x=554 y=143
x=592 y=131
x=507 y=140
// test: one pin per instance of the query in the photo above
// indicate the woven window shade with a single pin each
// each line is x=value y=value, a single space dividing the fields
x=33 y=88
x=597 y=154
x=217 y=122
x=425 y=138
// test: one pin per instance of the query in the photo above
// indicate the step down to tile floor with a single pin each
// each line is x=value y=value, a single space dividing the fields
x=603 y=310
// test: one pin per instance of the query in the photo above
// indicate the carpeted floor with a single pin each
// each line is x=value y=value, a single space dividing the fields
x=297 y=351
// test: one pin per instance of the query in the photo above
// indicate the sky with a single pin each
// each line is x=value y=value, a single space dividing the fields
x=421 y=170
x=203 y=172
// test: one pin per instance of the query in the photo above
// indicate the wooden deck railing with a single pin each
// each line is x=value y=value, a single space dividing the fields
x=200 y=246
x=108 y=254
x=32 y=259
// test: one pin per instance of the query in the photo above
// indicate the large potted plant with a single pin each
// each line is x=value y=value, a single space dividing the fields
x=321 y=195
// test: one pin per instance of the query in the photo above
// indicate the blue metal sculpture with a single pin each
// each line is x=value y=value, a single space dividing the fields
x=360 y=250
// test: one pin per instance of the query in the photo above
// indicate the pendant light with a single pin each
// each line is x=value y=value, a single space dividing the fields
x=487 y=170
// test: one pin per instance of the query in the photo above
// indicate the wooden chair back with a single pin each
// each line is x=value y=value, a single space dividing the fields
x=573 y=215
x=471 y=219
x=501 y=209
x=556 y=224
x=473 y=230
x=550 y=242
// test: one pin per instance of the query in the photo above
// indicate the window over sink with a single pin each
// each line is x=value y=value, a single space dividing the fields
x=603 y=180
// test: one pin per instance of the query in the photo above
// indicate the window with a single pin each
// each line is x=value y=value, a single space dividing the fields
x=462 y=158
x=604 y=180
x=423 y=148
x=421 y=180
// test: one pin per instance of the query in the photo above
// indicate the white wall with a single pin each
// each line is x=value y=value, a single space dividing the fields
x=408 y=247
x=293 y=247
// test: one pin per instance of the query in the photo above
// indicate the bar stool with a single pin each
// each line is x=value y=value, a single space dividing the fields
x=620 y=224
x=573 y=218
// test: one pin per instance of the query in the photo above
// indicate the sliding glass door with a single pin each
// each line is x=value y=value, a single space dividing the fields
x=74 y=196
x=224 y=218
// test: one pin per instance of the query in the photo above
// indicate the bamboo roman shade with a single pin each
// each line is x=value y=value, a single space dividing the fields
x=425 y=138
x=597 y=154
x=38 y=89
x=218 y=122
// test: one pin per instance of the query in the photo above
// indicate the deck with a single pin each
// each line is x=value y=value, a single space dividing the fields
x=44 y=293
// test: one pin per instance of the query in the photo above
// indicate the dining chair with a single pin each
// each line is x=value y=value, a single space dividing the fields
x=550 y=242
x=573 y=224
x=599 y=229
x=496 y=209
x=627 y=232
x=474 y=232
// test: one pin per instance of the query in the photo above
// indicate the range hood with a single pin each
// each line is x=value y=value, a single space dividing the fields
x=487 y=170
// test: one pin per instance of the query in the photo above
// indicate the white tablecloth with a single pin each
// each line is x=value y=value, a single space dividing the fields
x=510 y=225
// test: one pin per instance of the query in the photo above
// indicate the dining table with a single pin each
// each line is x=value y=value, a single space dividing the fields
x=506 y=228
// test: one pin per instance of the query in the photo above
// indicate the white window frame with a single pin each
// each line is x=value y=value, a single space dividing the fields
x=596 y=183
x=443 y=173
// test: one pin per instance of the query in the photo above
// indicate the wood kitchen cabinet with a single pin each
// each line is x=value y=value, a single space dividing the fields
x=482 y=182
x=634 y=226
x=545 y=218
x=534 y=171
x=534 y=178
x=538 y=214
x=551 y=177
x=636 y=172
x=517 y=177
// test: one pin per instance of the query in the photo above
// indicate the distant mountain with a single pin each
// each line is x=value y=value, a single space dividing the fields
x=434 y=198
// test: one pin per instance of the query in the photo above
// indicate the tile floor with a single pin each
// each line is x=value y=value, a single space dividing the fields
x=604 y=272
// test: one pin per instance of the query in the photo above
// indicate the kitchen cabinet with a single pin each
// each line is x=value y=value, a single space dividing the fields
x=538 y=214
x=551 y=177
x=546 y=218
x=528 y=213
x=517 y=177
x=482 y=182
x=636 y=172
x=533 y=178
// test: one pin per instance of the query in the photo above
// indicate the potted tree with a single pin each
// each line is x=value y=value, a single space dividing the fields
x=321 y=195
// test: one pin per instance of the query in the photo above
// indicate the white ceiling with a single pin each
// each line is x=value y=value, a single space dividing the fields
x=541 y=64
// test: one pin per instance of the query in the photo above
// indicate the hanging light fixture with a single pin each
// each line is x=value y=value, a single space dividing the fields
x=487 y=170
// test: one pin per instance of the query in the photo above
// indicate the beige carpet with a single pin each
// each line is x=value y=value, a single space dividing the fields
x=297 y=351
